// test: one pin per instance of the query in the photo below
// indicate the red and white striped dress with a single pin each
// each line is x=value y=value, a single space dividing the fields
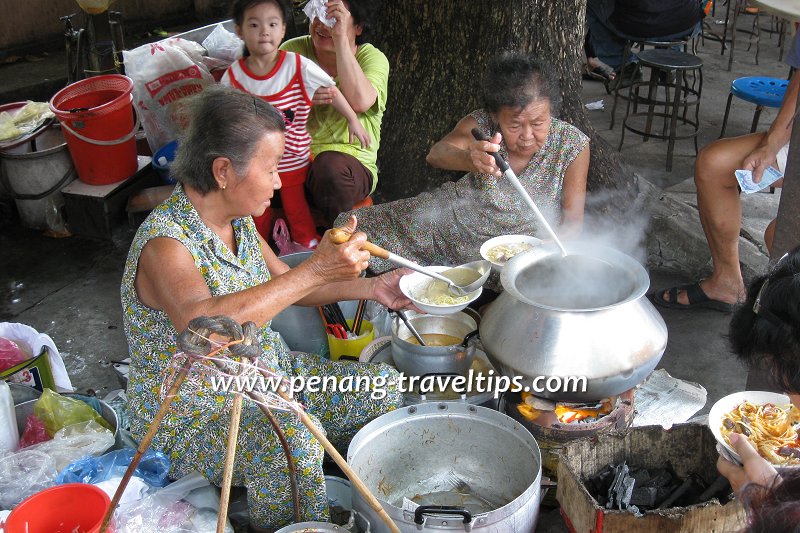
x=289 y=87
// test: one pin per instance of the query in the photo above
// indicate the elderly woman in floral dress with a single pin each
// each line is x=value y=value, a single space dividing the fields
x=198 y=254
x=551 y=158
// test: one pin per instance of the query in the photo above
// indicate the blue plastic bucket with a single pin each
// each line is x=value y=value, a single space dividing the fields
x=162 y=160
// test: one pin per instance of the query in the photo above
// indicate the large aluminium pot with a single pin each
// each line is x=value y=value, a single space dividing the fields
x=411 y=452
x=582 y=316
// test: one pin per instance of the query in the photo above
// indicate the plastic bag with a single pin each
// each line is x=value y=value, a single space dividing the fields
x=283 y=239
x=153 y=468
x=163 y=74
x=189 y=504
x=34 y=433
x=223 y=44
x=75 y=442
x=11 y=354
x=58 y=411
x=24 y=473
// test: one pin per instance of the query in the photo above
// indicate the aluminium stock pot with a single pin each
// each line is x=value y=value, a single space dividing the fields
x=479 y=463
x=580 y=316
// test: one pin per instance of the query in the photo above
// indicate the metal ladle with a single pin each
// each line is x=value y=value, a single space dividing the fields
x=509 y=174
x=404 y=317
x=482 y=267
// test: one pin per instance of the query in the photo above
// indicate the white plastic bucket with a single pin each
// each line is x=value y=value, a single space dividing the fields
x=33 y=174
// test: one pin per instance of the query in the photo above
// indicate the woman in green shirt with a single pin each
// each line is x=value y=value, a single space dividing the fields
x=343 y=173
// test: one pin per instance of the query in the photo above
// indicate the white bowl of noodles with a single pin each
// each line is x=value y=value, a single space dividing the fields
x=499 y=250
x=769 y=417
x=432 y=296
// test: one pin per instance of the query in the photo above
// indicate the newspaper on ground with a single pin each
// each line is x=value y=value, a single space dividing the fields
x=664 y=400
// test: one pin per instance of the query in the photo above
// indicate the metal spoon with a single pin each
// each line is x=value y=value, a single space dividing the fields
x=411 y=328
x=482 y=267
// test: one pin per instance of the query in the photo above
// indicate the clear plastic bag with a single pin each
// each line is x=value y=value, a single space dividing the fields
x=75 y=442
x=25 y=473
x=58 y=412
x=153 y=468
x=223 y=44
x=190 y=504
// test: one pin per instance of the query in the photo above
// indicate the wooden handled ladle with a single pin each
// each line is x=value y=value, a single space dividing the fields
x=483 y=268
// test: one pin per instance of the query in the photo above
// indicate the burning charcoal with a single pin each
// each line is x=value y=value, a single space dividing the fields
x=719 y=485
x=789 y=451
x=644 y=496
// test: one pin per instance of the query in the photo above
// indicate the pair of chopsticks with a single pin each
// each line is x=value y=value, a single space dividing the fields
x=332 y=314
x=362 y=304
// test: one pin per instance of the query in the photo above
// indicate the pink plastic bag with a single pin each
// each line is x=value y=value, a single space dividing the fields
x=34 y=433
x=283 y=239
x=11 y=354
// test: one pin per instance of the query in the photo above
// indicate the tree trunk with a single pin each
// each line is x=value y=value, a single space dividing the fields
x=438 y=53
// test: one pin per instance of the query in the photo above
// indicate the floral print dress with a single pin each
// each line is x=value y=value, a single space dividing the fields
x=447 y=226
x=194 y=432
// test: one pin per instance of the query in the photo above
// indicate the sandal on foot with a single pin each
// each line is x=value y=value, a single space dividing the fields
x=601 y=72
x=696 y=297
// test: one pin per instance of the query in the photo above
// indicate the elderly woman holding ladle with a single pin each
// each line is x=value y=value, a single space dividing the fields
x=551 y=158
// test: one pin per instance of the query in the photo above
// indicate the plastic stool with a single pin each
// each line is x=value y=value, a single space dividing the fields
x=366 y=202
x=760 y=90
x=668 y=71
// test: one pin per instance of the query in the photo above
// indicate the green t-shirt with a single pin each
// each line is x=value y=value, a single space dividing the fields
x=328 y=128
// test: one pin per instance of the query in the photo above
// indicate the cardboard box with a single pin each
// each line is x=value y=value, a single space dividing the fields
x=688 y=448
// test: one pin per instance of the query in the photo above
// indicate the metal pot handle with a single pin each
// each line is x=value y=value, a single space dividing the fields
x=419 y=512
x=474 y=334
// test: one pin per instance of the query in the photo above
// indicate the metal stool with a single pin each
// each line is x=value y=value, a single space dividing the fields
x=665 y=64
x=623 y=80
x=759 y=90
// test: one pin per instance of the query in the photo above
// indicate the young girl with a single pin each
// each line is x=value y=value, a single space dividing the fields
x=288 y=81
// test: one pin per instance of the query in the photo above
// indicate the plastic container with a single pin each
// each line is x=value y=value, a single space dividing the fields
x=33 y=173
x=60 y=509
x=9 y=434
x=351 y=348
x=98 y=121
x=162 y=160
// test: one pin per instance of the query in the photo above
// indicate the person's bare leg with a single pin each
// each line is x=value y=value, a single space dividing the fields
x=769 y=235
x=721 y=215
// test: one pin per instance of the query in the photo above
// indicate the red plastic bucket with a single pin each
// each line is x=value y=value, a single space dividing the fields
x=60 y=509
x=97 y=117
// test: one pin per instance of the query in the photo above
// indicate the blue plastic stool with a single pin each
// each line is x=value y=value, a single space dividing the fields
x=759 y=90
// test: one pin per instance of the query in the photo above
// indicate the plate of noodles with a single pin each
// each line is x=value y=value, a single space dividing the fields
x=432 y=295
x=767 y=419
x=499 y=250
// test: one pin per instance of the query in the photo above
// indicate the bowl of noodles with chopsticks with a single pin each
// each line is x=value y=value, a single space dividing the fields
x=767 y=419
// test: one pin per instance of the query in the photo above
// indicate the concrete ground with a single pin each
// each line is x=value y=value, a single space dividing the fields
x=69 y=287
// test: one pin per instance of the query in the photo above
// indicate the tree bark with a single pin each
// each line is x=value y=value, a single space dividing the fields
x=438 y=53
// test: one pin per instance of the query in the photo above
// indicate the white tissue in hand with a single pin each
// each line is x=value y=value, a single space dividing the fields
x=745 y=179
x=316 y=8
